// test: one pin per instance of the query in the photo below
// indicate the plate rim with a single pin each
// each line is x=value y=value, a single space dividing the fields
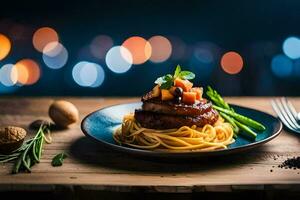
x=198 y=153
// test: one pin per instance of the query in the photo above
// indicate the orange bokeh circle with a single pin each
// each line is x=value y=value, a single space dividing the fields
x=139 y=48
x=43 y=36
x=232 y=62
x=161 y=48
x=5 y=46
x=28 y=71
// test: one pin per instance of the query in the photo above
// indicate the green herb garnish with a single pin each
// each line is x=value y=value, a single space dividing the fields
x=58 y=160
x=167 y=81
x=29 y=153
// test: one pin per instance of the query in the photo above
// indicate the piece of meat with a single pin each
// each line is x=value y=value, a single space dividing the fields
x=147 y=96
x=154 y=120
x=174 y=108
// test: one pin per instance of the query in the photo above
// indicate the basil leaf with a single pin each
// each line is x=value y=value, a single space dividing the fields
x=168 y=82
x=187 y=75
x=164 y=79
x=159 y=80
x=166 y=85
x=168 y=77
x=177 y=71
x=58 y=159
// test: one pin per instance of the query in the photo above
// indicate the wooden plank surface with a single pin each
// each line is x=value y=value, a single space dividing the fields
x=90 y=166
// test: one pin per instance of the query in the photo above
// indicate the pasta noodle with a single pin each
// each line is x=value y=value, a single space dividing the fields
x=207 y=138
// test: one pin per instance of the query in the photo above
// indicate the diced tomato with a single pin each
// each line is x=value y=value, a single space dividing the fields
x=156 y=91
x=184 y=84
x=199 y=92
x=189 y=97
x=172 y=90
x=166 y=95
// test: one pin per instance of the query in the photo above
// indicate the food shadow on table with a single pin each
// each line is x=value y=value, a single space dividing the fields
x=88 y=151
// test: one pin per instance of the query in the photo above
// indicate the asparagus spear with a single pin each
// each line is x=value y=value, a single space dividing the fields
x=238 y=122
x=244 y=120
x=246 y=130
x=231 y=121
x=217 y=99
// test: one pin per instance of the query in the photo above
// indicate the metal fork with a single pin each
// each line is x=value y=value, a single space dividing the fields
x=286 y=113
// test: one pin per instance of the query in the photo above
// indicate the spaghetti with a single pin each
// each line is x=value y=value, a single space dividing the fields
x=207 y=138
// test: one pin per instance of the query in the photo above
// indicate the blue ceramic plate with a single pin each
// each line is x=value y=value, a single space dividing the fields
x=101 y=124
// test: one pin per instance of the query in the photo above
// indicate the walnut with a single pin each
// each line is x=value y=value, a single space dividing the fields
x=63 y=113
x=11 y=138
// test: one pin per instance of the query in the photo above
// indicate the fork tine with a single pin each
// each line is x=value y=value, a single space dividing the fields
x=281 y=117
x=289 y=112
x=292 y=108
x=284 y=113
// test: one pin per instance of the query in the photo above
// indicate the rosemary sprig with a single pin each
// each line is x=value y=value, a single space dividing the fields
x=30 y=152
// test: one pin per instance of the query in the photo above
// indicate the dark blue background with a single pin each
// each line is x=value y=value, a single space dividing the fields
x=255 y=29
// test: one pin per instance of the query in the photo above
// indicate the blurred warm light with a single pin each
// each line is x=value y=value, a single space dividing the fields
x=23 y=73
x=282 y=66
x=161 y=48
x=8 y=75
x=55 y=55
x=52 y=49
x=232 y=62
x=43 y=36
x=5 y=46
x=291 y=47
x=100 y=46
x=88 y=74
x=119 y=59
x=139 y=48
x=28 y=71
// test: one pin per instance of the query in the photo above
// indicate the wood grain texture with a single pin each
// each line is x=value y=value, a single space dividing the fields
x=89 y=166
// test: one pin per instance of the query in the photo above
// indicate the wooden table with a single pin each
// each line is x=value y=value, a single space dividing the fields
x=89 y=166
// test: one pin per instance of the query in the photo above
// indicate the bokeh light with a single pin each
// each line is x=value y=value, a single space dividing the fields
x=5 y=46
x=204 y=55
x=178 y=48
x=5 y=89
x=88 y=74
x=119 y=59
x=232 y=62
x=55 y=55
x=139 y=48
x=161 y=48
x=100 y=46
x=203 y=59
x=43 y=36
x=282 y=66
x=291 y=47
x=8 y=75
x=28 y=71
